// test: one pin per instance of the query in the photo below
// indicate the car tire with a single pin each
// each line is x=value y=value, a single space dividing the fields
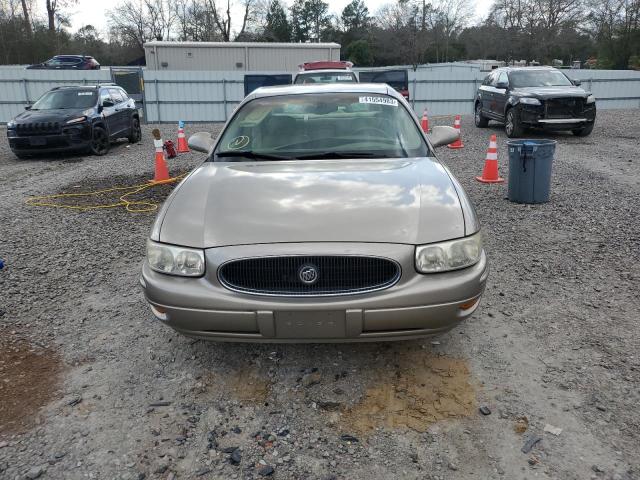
x=135 y=134
x=481 y=120
x=99 y=142
x=512 y=126
x=583 y=132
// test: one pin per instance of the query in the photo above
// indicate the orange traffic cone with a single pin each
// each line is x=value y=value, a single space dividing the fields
x=490 y=170
x=162 y=172
x=182 y=141
x=458 y=143
x=425 y=122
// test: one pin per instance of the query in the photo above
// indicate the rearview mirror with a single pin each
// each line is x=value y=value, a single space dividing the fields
x=577 y=83
x=107 y=103
x=201 y=142
x=28 y=107
x=442 y=135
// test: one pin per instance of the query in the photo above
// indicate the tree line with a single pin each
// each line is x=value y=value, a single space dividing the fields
x=402 y=32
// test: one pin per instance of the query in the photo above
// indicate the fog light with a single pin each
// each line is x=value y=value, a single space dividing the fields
x=469 y=304
x=160 y=313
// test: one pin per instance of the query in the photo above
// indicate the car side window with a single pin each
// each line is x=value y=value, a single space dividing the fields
x=503 y=78
x=116 y=95
x=125 y=97
x=104 y=95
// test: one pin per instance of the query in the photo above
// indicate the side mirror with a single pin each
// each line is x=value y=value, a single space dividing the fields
x=442 y=135
x=28 y=107
x=201 y=142
x=577 y=83
x=108 y=103
x=504 y=85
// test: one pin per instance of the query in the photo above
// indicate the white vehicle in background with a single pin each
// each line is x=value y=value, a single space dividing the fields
x=325 y=72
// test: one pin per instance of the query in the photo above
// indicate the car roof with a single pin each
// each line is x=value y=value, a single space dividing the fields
x=377 y=88
x=86 y=87
x=518 y=69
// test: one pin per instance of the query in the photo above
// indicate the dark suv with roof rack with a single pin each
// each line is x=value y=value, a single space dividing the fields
x=81 y=118
x=534 y=97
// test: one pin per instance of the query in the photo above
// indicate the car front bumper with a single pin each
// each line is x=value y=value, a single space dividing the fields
x=534 y=116
x=69 y=139
x=416 y=306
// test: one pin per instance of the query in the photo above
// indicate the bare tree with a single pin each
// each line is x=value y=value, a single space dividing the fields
x=54 y=12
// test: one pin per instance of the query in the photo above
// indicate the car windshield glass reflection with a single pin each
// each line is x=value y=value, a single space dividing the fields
x=538 y=78
x=321 y=126
x=66 y=99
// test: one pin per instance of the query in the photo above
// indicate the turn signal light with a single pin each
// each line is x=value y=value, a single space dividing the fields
x=469 y=304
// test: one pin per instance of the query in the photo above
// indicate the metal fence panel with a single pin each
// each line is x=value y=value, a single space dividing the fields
x=211 y=96
x=196 y=96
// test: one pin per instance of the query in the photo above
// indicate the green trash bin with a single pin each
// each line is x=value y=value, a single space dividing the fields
x=530 y=163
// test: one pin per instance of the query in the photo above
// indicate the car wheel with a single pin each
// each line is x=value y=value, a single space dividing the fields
x=512 y=125
x=135 y=134
x=99 y=141
x=481 y=120
x=583 y=132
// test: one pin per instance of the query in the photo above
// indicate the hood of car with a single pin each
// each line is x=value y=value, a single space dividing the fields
x=409 y=201
x=56 y=115
x=551 y=92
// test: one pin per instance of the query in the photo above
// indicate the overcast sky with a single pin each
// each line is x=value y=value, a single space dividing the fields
x=92 y=12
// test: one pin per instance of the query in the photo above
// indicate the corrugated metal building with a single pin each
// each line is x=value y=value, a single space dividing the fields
x=235 y=56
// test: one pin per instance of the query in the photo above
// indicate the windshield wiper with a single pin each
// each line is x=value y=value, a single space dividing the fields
x=252 y=155
x=329 y=155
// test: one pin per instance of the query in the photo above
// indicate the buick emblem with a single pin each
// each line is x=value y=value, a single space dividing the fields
x=308 y=274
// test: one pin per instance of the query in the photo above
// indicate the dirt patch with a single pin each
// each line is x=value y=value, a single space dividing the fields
x=246 y=385
x=30 y=376
x=132 y=193
x=419 y=390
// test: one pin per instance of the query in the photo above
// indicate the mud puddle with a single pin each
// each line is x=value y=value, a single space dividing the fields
x=30 y=377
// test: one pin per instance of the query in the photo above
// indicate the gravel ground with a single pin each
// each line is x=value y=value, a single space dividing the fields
x=92 y=387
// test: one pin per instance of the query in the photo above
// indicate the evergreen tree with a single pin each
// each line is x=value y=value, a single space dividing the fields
x=277 y=28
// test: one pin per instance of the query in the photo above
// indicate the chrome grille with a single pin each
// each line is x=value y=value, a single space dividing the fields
x=38 y=128
x=283 y=275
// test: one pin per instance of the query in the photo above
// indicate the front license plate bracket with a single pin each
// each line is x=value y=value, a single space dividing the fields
x=302 y=324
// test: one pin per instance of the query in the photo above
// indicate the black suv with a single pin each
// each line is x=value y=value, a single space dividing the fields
x=75 y=118
x=534 y=97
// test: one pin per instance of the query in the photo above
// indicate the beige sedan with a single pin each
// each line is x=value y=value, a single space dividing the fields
x=319 y=215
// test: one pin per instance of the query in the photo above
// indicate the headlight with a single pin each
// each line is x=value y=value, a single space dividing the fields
x=530 y=101
x=76 y=120
x=451 y=255
x=182 y=261
x=591 y=99
x=11 y=124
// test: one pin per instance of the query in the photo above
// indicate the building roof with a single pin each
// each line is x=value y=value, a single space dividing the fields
x=157 y=43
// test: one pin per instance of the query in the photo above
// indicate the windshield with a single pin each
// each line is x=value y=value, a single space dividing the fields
x=63 y=61
x=321 y=125
x=66 y=99
x=326 y=77
x=538 y=78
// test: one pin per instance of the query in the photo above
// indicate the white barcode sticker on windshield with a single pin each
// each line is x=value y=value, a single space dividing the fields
x=380 y=101
x=85 y=93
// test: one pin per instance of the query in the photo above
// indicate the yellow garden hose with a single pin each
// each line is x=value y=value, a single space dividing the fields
x=134 y=206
